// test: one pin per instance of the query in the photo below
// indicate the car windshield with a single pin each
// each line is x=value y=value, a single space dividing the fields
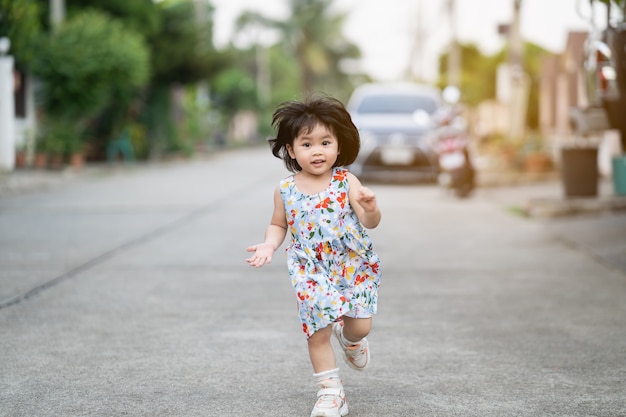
x=396 y=104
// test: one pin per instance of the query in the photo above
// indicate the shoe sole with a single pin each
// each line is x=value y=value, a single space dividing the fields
x=343 y=411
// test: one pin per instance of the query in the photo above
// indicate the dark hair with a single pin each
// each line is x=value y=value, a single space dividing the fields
x=293 y=117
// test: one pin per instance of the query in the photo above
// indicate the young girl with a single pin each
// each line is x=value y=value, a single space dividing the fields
x=334 y=271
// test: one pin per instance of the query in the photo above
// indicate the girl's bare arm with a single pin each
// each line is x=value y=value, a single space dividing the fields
x=274 y=235
x=363 y=202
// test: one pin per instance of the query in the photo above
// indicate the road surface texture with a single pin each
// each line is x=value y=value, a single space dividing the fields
x=128 y=295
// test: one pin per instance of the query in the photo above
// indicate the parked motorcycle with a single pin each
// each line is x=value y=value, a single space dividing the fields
x=451 y=142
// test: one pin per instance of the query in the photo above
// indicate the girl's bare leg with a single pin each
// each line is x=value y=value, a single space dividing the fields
x=321 y=350
x=356 y=329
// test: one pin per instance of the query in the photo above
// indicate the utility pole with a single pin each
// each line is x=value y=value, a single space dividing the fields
x=7 y=108
x=519 y=82
x=416 y=55
x=57 y=13
x=454 y=55
x=515 y=38
x=263 y=74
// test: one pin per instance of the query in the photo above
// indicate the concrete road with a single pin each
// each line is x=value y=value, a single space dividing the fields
x=128 y=295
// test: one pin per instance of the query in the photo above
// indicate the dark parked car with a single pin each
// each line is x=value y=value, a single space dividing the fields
x=394 y=121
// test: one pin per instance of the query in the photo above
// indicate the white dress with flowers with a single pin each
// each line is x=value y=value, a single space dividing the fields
x=333 y=268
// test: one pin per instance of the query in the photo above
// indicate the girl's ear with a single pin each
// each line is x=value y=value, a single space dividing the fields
x=290 y=151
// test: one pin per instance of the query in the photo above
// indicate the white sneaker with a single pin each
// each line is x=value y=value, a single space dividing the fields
x=331 y=400
x=358 y=356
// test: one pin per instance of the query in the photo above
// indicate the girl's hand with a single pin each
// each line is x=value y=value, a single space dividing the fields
x=262 y=254
x=367 y=199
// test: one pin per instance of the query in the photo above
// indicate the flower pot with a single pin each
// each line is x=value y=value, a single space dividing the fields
x=41 y=161
x=77 y=160
x=579 y=169
x=20 y=159
x=56 y=161
x=537 y=163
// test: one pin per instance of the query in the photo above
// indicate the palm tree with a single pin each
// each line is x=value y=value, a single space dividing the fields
x=312 y=34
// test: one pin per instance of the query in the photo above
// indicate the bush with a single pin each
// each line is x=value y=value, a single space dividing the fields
x=88 y=61
x=19 y=21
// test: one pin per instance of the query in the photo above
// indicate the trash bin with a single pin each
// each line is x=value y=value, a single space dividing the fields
x=579 y=170
x=619 y=175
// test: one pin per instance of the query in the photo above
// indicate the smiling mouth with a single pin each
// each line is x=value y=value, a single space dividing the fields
x=318 y=162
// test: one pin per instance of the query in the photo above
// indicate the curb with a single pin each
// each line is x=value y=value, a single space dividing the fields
x=486 y=179
x=539 y=204
x=545 y=208
x=28 y=180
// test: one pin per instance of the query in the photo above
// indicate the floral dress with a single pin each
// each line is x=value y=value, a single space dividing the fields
x=332 y=266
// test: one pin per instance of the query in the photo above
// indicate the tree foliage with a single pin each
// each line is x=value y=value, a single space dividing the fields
x=618 y=3
x=19 y=21
x=313 y=37
x=84 y=66
x=139 y=16
x=234 y=87
x=178 y=34
x=479 y=72
x=93 y=65
x=88 y=60
x=182 y=48
x=183 y=54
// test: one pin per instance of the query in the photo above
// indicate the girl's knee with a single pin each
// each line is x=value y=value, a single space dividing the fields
x=320 y=337
x=356 y=329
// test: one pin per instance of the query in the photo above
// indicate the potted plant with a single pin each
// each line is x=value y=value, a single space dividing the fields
x=52 y=143
x=20 y=157
x=75 y=149
x=535 y=158
x=83 y=65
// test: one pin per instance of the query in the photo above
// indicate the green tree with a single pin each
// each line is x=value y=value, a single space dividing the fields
x=179 y=36
x=533 y=55
x=313 y=37
x=140 y=16
x=182 y=48
x=234 y=87
x=183 y=54
x=19 y=21
x=621 y=4
x=478 y=76
x=90 y=60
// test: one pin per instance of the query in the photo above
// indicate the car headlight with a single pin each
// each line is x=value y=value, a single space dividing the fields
x=368 y=140
x=421 y=118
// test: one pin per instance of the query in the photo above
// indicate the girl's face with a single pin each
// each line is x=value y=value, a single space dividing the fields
x=315 y=151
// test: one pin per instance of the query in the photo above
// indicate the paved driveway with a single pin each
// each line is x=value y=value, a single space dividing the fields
x=129 y=295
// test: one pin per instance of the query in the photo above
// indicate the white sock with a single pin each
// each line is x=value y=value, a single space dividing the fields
x=332 y=375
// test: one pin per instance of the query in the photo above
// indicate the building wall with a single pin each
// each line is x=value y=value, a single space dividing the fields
x=562 y=88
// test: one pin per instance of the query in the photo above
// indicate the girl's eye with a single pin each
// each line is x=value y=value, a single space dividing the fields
x=326 y=143
x=306 y=145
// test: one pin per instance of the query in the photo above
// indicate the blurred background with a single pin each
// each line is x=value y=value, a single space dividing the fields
x=118 y=80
